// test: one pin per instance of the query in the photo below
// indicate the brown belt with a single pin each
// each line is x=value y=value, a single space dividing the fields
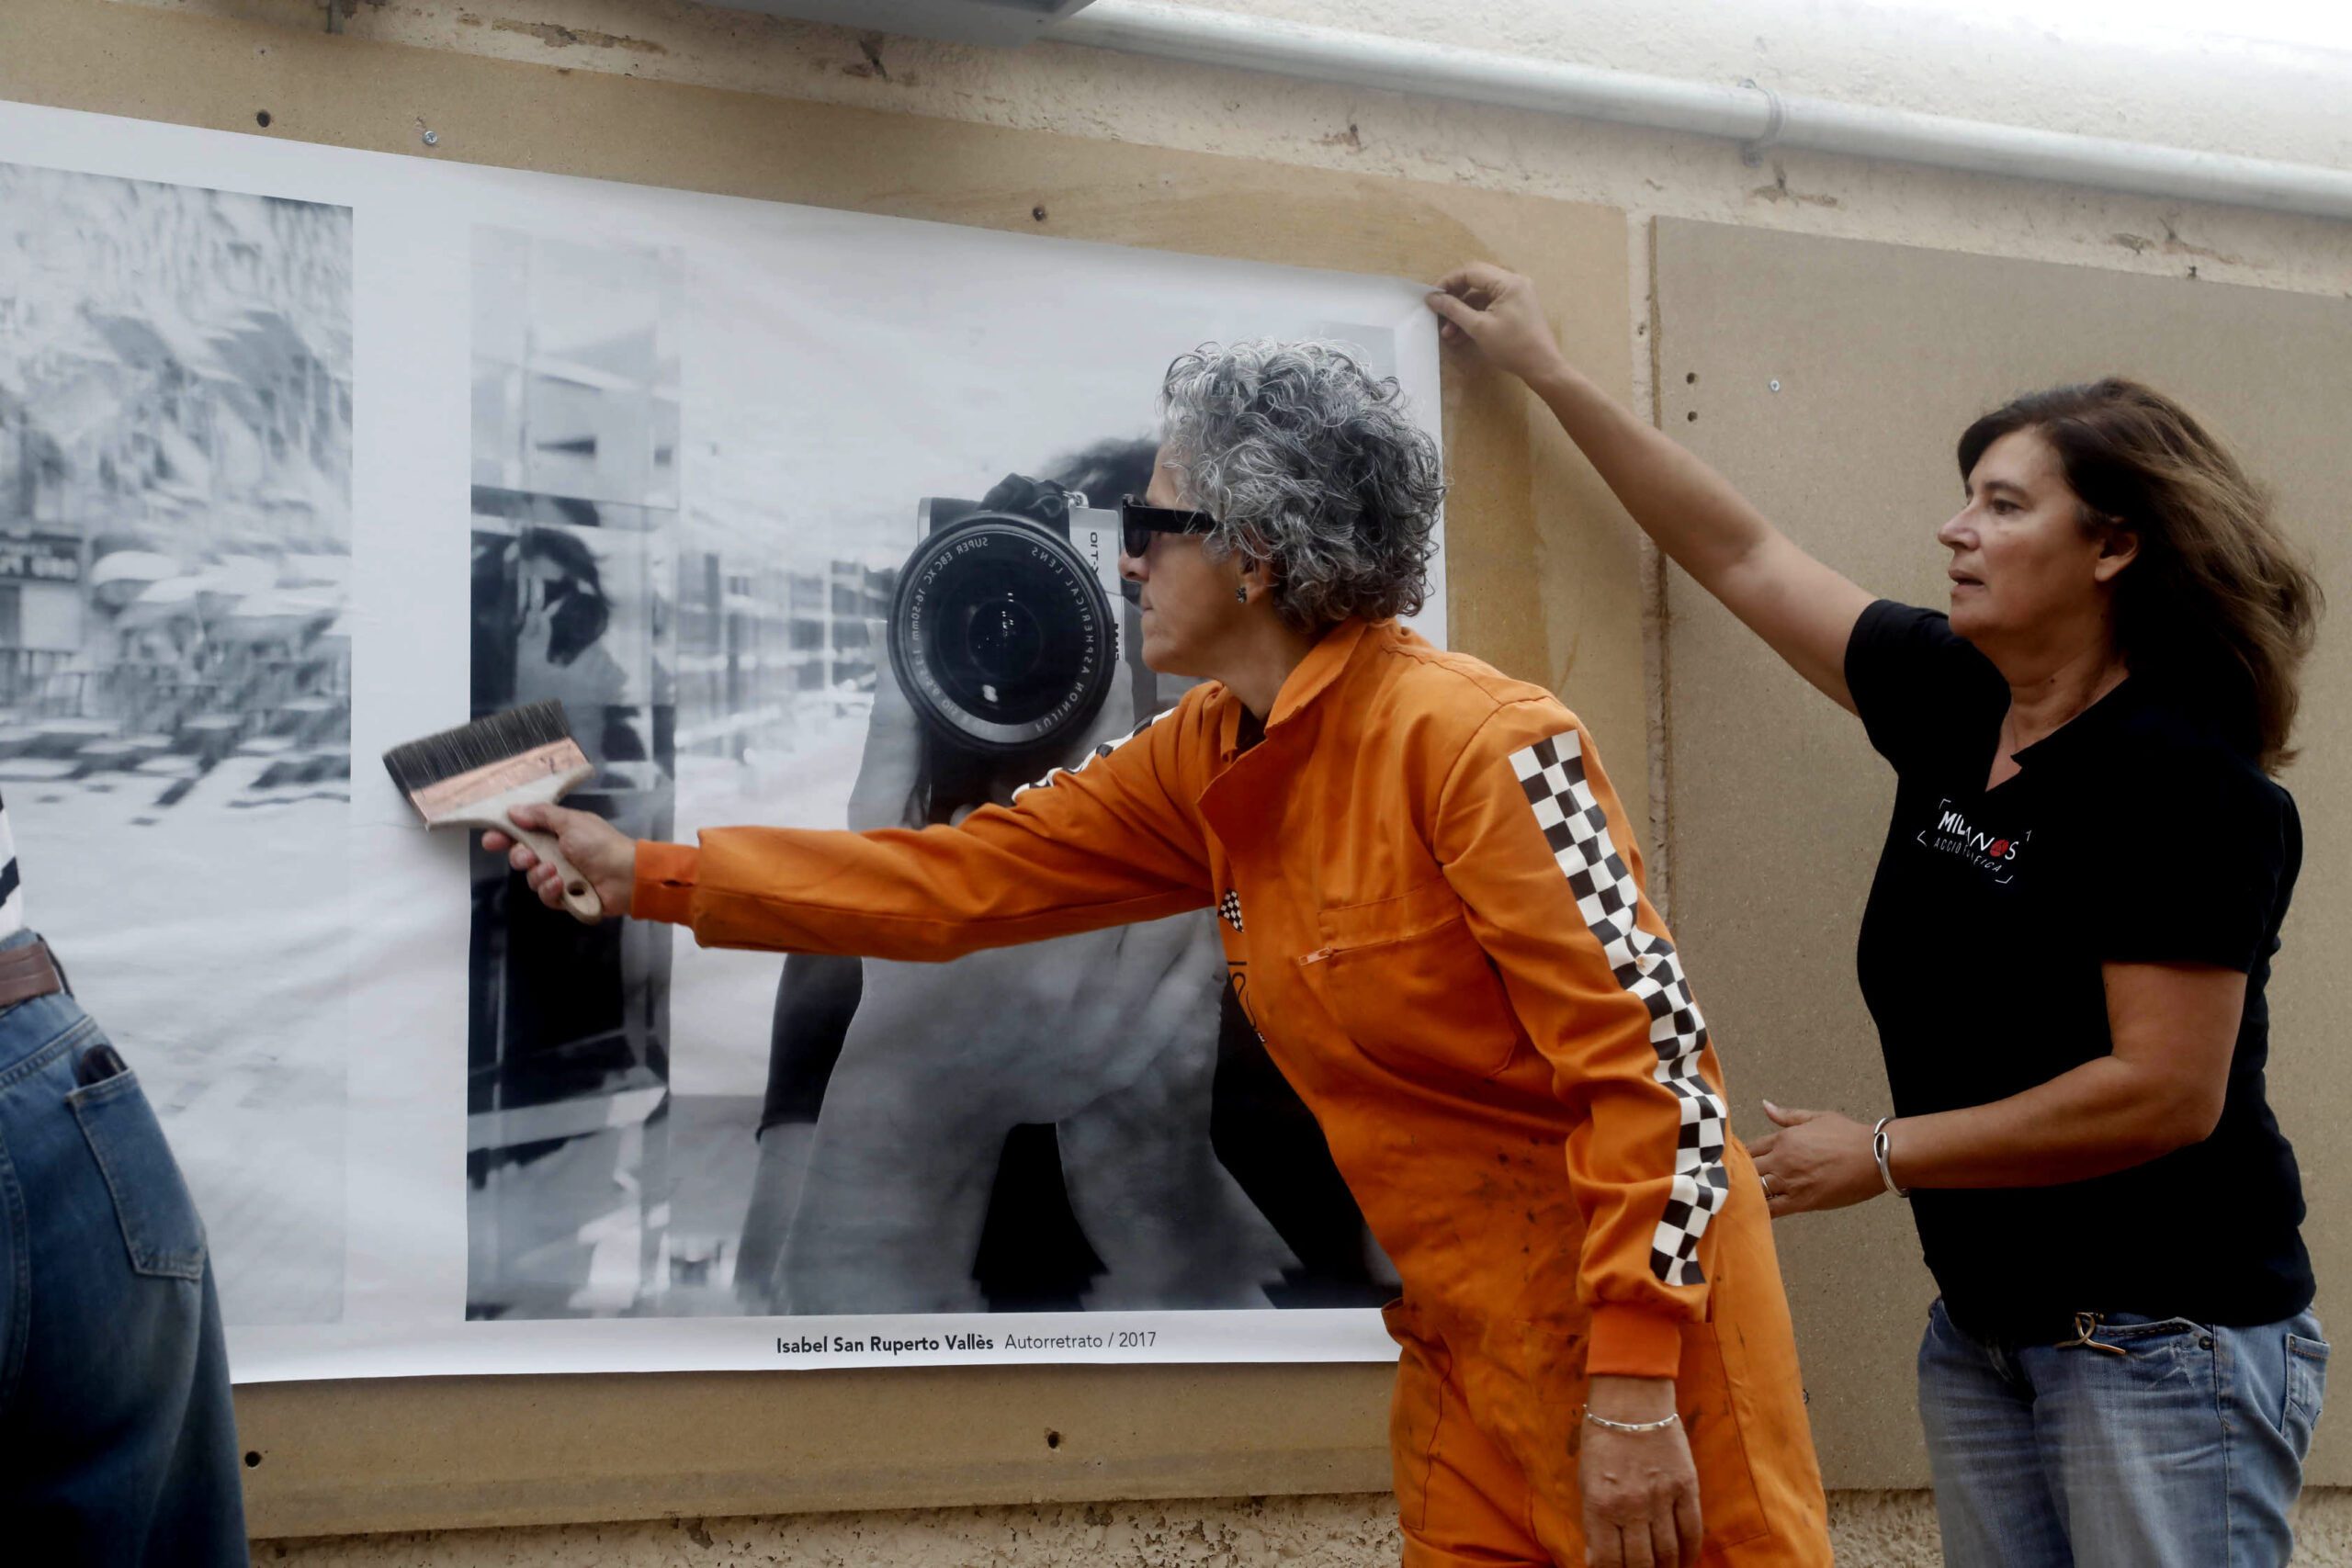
x=28 y=972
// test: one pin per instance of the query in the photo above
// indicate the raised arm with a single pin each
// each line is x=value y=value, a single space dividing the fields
x=1804 y=610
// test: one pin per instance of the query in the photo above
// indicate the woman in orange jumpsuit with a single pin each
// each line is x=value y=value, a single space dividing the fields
x=1431 y=906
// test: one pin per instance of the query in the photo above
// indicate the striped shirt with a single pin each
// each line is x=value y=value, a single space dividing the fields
x=12 y=896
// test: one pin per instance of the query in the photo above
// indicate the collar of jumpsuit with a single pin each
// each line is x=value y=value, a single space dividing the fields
x=1323 y=665
x=1430 y=900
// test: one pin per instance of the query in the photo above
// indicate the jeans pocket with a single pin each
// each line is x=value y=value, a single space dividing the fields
x=2306 y=1388
x=2176 y=1333
x=159 y=1222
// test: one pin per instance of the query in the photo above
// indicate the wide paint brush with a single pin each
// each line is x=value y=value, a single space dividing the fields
x=474 y=775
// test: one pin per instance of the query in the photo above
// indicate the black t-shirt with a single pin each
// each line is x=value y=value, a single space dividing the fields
x=2132 y=834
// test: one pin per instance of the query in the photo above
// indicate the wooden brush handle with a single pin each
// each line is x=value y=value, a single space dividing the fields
x=494 y=814
x=578 y=896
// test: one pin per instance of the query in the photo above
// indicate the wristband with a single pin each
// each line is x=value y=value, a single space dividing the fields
x=1630 y=1425
x=1878 y=1153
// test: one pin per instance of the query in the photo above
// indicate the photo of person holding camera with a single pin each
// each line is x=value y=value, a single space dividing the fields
x=735 y=577
x=1430 y=903
x=1077 y=1144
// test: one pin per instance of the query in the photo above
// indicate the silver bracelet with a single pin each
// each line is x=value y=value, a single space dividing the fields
x=1630 y=1425
x=1879 y=1152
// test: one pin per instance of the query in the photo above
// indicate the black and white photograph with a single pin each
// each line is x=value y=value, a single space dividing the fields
x=725 y=505
x=306 y=453
x=175 y=630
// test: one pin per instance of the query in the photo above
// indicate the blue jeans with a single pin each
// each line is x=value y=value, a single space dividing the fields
x=2186 y=1452
x=118 y=1442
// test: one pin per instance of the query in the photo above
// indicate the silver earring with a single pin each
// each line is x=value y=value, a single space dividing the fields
x=1242 y=594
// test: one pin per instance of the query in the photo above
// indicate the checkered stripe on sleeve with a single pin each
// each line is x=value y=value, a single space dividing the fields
x=1552 y=774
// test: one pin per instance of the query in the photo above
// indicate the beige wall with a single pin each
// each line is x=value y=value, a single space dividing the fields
x=2250 y=100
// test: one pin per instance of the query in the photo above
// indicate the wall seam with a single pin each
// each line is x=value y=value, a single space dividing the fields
x=1641 y=272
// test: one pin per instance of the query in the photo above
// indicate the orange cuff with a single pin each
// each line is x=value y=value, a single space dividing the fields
x=1626 y=1341
x=664 y=889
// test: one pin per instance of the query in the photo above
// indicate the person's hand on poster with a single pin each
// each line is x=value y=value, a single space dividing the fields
x=597 y=851
x=1496 y=311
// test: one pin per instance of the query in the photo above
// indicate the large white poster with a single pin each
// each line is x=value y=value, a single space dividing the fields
x=306 y=452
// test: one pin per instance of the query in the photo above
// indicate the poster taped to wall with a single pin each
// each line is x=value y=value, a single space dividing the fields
x=307 y=452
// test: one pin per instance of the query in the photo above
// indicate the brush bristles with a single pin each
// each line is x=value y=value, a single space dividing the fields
x=486 y=743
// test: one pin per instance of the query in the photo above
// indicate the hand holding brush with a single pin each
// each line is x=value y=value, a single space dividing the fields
x=496 y=774
x=586 y=846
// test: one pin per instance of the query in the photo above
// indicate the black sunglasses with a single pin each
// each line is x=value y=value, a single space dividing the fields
x=1139 y=521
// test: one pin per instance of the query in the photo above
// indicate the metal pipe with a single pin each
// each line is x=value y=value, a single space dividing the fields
x=1748 y=113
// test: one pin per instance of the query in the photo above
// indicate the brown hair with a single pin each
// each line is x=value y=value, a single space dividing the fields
x=2218 y=606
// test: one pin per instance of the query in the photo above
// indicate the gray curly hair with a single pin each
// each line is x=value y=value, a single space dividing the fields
x=1310 y=464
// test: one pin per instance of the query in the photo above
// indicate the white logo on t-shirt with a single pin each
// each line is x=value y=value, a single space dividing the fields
x=1953 y=833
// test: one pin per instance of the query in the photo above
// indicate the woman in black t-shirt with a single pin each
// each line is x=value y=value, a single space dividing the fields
x=2065 y=951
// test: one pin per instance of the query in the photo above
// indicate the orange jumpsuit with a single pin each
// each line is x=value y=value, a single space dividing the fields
x=1431 y=907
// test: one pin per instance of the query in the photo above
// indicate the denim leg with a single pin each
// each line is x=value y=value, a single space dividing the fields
x=2133 y=1444
x=2274 y=1377
x=200 y=1502
x=2187 y=1450
x=118 y=1444
x=1996 y=1508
